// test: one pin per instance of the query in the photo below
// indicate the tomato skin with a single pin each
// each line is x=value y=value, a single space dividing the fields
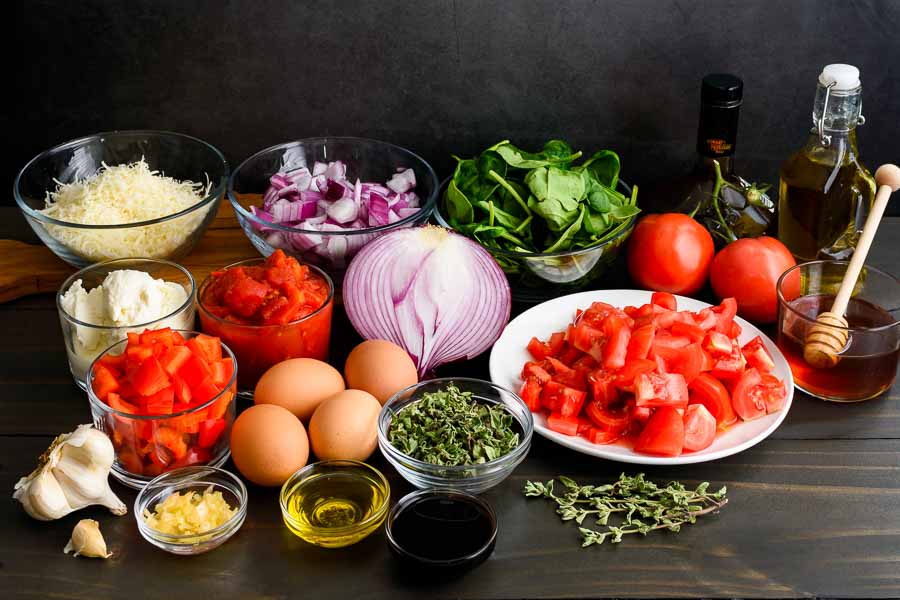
x=670 y=253
x=709 y=391
x=757 y=356
x=564 y=425
x=531 y=393
x=663 y=434
x=748 y=269
x=699 y=428
x=665 y=300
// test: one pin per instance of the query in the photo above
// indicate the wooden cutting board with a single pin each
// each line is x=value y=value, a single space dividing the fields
x=27 y=269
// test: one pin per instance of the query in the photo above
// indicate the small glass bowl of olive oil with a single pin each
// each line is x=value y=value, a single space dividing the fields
x=335 y=503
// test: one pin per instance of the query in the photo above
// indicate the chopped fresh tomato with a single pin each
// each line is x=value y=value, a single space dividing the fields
x=674 y=377
x=533 y=369
x=725 y=314
x=562 y=424
x=602 y=387
x=641 y=341
x=137 y=354
x=689 y=330
x=757 y=356
x=774 y=393
x=616 y=347
x=699 y=428
x=556 y=343
x=717 y=344
x=538 y=349
x=599 y=436
x=730 y=367
x=654 y=390
x=751 y=395
x=709 y=391
x=663 y=434
x=687 y=361
x=531 y=393
x=664 y=299
x=566 y=375
x=624 y=379
x=161 y=336
x=615 y=421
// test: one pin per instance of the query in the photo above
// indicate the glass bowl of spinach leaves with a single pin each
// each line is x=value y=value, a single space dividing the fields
x=457 y=433
x=554 y=220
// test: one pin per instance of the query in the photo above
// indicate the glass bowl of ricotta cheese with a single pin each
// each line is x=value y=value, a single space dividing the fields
x=99 y=305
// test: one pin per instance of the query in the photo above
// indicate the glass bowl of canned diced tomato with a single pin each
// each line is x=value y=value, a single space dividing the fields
x=267 y=311
x=166 y=400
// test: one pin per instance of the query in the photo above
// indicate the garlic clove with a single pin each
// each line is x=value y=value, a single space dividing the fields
x=71 y=474
x=87 y=540
x=42 y=497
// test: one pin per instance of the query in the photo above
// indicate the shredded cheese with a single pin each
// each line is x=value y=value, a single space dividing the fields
x=123 y=194
x=190 y=513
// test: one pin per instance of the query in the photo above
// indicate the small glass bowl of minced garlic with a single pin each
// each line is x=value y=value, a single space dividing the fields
x=191 y=510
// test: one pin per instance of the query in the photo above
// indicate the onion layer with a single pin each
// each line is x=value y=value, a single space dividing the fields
x=431 y=291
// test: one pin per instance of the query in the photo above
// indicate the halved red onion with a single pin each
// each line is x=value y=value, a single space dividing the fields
x=435 y=293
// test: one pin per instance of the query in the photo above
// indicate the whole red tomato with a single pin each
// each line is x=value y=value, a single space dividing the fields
x=670 y=253
x=748 y=269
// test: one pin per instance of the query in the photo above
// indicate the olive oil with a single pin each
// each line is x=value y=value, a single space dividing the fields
x=334 y=509
x=825 y=192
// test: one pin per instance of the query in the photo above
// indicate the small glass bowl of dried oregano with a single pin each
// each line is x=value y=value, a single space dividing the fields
x=459 y=433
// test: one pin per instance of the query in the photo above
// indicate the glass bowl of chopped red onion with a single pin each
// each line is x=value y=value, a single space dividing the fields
x=323 y=199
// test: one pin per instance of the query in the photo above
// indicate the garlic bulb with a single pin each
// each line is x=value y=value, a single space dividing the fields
x=71 y=474
x=87 y=540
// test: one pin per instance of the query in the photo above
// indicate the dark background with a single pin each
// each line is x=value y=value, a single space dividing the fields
x=449 y=76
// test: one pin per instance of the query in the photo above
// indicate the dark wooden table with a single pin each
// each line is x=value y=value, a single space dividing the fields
x=814 y=510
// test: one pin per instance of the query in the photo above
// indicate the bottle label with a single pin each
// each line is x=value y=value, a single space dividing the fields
x=717 y=133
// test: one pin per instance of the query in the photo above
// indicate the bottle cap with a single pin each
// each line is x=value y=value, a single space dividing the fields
x=722 y=89
x=844 y=77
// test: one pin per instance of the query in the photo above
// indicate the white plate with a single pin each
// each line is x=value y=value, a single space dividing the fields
x=509 y=355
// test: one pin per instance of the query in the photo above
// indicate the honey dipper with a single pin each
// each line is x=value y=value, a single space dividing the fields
x=828 y=336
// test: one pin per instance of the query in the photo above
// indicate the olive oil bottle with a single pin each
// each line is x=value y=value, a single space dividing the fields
x=825 y=192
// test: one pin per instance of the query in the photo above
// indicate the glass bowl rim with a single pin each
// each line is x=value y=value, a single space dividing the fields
x=328 y=300
x=501 y=461
x=786 y=303
x=106 y=408
x=215 y=192
x=379 y=514
x=630 y=223
x=426 y=209
x=79 y=274
x=232 y=483
x=407 y=500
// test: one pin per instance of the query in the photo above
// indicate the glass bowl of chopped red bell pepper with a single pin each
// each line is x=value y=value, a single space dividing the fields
x=267 y=311
x=166 y=400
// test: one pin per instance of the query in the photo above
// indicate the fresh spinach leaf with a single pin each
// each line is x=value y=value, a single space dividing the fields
x=458 y=206
x=605 y=166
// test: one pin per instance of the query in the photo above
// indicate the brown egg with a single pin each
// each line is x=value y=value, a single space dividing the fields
x=299 y=385
x=380 y=368
x=345 y=426
x=268 y=444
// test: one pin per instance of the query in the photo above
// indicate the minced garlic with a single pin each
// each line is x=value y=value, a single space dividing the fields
x=189 y=513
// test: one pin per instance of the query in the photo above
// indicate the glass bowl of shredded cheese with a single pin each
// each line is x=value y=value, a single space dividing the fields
x=191 y=510
x=122 y=194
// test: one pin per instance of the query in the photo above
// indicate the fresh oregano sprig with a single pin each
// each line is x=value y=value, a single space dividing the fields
x=449 y=427
x=641 y=505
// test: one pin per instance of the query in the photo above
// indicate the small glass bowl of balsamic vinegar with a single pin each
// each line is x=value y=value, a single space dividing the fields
x=441 y=530
x=867 y=365
x=335 y=503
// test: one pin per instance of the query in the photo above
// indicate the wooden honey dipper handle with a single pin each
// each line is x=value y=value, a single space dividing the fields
x=828 y=336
